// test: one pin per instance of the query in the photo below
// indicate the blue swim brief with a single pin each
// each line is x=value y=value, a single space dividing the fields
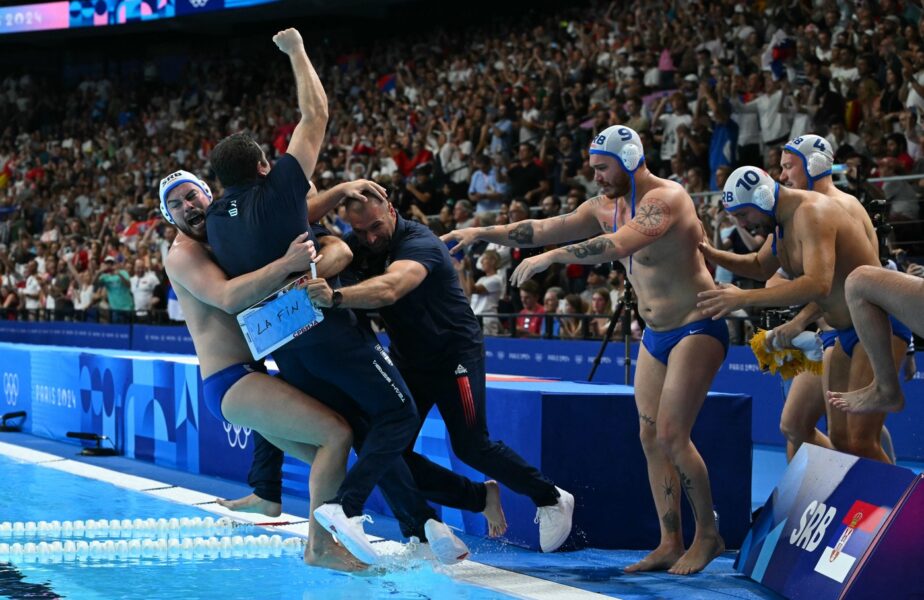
x=828 y=338
x=849 y=338
x=660 y=343
x=215 y=386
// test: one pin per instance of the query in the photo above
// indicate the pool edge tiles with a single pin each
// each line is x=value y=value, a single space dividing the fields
x=469 y=572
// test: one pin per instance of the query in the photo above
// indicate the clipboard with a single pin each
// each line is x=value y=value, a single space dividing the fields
x=279 y=318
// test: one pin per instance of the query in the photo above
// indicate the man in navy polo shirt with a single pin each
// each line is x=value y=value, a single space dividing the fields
x=436 y=342
x=336 y=361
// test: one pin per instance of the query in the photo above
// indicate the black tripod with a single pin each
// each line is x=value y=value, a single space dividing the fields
x=624 y=310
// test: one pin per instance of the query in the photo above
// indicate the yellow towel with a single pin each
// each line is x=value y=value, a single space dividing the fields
x=788 y=362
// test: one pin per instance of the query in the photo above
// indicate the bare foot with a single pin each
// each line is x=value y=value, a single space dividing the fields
x=252 y=504
x=333 y=556
x=493 y=511
x=872 y=398
x=702 y=551
x=659 y=559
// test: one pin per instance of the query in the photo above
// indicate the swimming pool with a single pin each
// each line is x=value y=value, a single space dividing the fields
x=41 y=492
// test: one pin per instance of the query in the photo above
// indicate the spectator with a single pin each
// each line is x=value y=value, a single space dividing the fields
x=484 y=190
x=526 y=178
x=143 y=282
x=462 y=214
x=118 y=290
x=529 y=323
x=572 y=328
x=486 y=292
x=551 y=304
x=600 y=305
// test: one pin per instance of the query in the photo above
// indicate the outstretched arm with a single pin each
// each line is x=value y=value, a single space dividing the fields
x=533 y=233
x=305 y=144
x=190 y=266
x=652 y=220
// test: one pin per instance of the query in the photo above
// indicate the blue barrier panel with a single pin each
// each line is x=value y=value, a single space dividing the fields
x=161 y=338
x=15 y=365
x=567 y=360
x=63 y=333
x=821 y=523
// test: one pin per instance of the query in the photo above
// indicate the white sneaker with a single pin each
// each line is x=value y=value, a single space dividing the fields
x=555 y=522
x=348 y=531
x=444 y=544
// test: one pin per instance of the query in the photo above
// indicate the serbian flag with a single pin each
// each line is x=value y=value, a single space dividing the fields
x=386 y=83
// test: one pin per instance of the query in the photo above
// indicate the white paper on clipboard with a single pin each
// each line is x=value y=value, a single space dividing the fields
x=274 y=321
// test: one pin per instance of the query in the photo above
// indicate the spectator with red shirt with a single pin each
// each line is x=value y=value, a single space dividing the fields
x=529 y=323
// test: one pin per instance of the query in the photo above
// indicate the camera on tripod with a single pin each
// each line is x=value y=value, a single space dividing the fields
x=772 y=318
x=854 y=182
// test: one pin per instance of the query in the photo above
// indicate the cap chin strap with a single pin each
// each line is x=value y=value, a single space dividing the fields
x=631 y=174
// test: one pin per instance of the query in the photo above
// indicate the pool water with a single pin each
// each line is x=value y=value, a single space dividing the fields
x=34 y=493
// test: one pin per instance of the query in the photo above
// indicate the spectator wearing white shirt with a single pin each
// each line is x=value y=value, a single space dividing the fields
x=32 y=291
x=530 y=130
x=773 y=110
x=143 y=281
x=670 y=122
x=485 y=293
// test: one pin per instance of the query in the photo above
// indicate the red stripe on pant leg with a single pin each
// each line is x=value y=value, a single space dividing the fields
x=464 y=397
x=466 y=390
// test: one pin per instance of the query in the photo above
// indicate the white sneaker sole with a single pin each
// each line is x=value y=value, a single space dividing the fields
x=345 y=534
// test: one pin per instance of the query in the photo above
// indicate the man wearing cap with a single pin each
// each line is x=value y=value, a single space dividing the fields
x=343 y=366
x=234 y=386
x=818 y=243
x=651 y=226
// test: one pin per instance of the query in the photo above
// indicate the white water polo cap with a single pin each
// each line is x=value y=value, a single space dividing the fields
x=621 y=143
x=750 y=186
x=816 y=154
x=178 y=178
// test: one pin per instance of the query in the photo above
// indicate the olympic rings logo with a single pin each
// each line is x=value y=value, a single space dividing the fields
x=237 y=436
x=11 y=388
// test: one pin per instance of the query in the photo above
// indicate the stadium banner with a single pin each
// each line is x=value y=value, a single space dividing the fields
x=76 y=14
x=828 y=516
x=565 y=360
x=66 y=333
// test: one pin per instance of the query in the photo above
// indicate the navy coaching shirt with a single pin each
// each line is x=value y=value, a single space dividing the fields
x=433 y=325
x=252 y=225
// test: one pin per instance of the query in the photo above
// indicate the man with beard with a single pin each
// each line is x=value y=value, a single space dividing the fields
x=340 y=364
x=408 y=276
x=681 y=352
x=235 y=387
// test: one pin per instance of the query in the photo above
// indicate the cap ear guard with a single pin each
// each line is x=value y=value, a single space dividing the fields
x=622 y=144
x=764 y=197
x=816 y=156
x=819 y=165
x=631 y=157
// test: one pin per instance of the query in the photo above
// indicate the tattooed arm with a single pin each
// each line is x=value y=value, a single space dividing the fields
x=652 y=220
x=532 y=233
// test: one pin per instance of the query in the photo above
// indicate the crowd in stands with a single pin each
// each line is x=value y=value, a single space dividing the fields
x=477 y=125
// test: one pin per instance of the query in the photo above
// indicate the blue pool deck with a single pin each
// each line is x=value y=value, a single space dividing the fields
x=583 y=573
